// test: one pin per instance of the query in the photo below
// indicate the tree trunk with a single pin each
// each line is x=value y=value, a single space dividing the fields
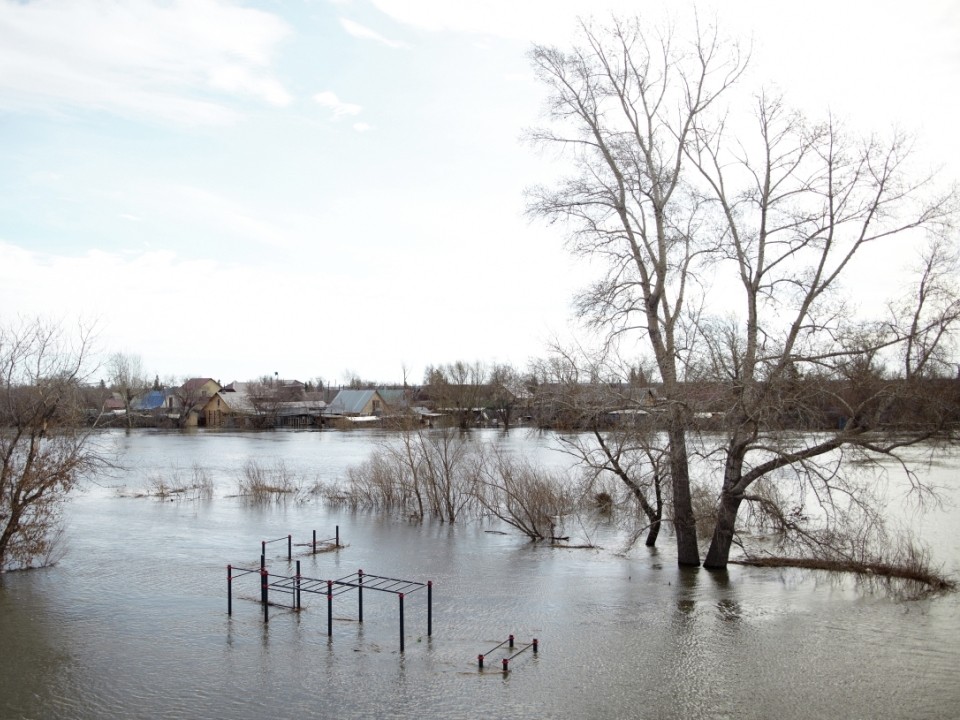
x=719 y=550
x=688 y=553
x=651 y=540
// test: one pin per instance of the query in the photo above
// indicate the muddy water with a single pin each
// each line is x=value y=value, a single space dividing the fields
x=132 y=622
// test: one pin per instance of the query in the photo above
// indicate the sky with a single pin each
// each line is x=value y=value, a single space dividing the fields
x=330 y=188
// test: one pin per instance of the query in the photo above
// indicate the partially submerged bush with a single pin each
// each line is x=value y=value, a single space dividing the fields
x=177 y=486
x=526 y=496
x=259 y=483
x=421 y=474
x=445 y=475
x=603 y=501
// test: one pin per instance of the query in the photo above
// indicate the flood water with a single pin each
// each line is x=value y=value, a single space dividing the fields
x=132 y=622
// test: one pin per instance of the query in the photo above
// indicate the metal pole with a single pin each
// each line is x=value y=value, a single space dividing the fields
x=400 y=595
x=536 y=645
x=263 y=548
x=229 y=590
x=263 y=561
x=298 y=584
x=314 y=542
x=264 y=580
x=511 y=642
x=505 y=662
x=360 y=594
x=480 y=661
x=338 y=536
x=429 y=608
x=329 y=608
x=289 y=548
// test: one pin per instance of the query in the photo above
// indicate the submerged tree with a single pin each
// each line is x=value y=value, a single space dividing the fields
x=726 y=242
x=46 y=445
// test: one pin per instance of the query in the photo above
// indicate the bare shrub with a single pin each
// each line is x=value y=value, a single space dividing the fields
x=262 y=484
x=378 y=483
x=526 y=496
x=704 y=502
x=421 y=473
x=603 y=501
x=333 y=494
x=178 y=487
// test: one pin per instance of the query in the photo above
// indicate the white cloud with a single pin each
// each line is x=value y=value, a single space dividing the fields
x=173 y=61
x=526 y=21
x=362 y=127
x=364 y=33
x=329 y=100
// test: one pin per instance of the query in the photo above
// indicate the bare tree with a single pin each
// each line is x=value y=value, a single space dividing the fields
x=265 y=398
x=628 y=107
x=692 y=211
x=458 y=388
x=126 y=376
x=506 y=390
x=46 y=443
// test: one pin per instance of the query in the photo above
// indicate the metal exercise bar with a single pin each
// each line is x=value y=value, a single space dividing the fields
x=232 y=574
x=297 y=584
x=505 y=662
x=361 y=580
x=379 y=582
x=335 y=538
x=288 y=538
x=481 y=656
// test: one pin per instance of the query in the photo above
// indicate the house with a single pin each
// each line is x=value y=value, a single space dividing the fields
x=189 y=399
x=150 y=401
x=357 y=403
x=244 y=405
x=229 y=407
x=395 y=399
x=300 y=413
x=114 y=405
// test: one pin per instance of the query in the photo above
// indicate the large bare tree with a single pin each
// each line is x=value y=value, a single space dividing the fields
x=726 y=244
x=46 y=443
